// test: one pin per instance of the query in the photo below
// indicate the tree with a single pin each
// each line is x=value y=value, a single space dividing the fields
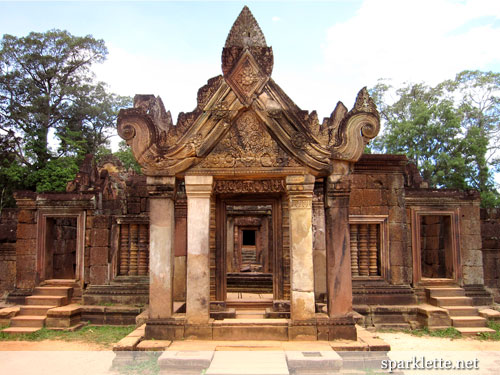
x=50 y=102
x=449 y=131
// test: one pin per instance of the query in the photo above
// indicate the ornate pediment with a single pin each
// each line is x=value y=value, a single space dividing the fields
x=247 y=148
x=245 y=123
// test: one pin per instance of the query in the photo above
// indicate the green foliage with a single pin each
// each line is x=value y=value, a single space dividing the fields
x=449 y=332
x=450 y=131
x=56 y=174
x=103 y=335
x=127 y=158
x=145 y=363
x=51 y=110
x=491 y=336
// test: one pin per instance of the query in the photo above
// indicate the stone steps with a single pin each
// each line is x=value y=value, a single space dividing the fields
x=250 y=329
x=46 y=299
x=464 y=317
x=20 y=330
x=474 y=331
x=450 y=301
x=462 y=311
x=34 y=321
x=468 y=321
x=35 y=309
x=64 y=291
x=445 y=292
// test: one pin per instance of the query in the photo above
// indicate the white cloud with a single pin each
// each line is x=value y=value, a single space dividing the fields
x=276 y=19
x=176 y=82
x=412 y=40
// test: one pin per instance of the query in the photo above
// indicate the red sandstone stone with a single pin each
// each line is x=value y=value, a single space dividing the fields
x=98 y=256
x=98 y=274
x=26 y=247
x=25 y=231
x=99 y=237
x=27 y=216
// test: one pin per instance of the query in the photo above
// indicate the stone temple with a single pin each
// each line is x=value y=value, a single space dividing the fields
x=252 y=220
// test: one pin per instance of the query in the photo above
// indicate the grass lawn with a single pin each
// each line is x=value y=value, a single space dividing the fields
x=103 y=335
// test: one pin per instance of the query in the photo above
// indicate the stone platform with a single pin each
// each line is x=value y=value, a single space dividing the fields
x=257 y=357
x=321 y=327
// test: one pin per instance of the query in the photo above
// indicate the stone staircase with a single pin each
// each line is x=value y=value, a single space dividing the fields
x=33 y=315
x=464 y=317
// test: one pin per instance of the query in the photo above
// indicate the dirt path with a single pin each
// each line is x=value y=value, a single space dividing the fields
x=398 y=341
x=404 y=341
x=51 y=345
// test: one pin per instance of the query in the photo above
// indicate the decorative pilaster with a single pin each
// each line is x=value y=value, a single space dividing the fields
x=300 y=193
x=161 y=246
x=198 y=191
x=338 y=256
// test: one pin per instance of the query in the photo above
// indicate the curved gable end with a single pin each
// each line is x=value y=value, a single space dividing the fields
x=244 y=123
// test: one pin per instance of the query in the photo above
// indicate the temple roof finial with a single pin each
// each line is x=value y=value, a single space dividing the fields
x=245 y=32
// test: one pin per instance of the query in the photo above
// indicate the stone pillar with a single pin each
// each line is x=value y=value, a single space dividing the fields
x=338 y=256
x=161 y=246
x=300 y=193
x=198 y=191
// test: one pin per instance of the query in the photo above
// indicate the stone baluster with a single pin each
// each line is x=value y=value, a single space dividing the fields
x=354 y=249
x=142 y=268
x=363 y=250
x=373 y=250
x=134 y=247
x=124 y=249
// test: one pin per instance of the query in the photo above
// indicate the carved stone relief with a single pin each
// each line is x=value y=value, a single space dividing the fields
x=248 y=144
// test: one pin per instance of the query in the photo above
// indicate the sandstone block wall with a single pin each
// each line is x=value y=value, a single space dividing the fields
x=8 y=227
x=382 y=193
x=490 y=239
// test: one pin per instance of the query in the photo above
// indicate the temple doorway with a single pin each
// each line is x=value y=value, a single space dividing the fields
x=249 y=250
x=60 y=244
x=436 y=255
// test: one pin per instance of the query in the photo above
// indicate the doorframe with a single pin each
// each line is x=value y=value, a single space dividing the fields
x=454 y=215
x=41 y=240
x=222 y=200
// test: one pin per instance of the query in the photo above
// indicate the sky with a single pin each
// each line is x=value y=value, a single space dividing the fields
x=324 y=51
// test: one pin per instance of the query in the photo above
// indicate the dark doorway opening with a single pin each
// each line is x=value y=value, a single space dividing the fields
x=61 y=237
x=436 y=246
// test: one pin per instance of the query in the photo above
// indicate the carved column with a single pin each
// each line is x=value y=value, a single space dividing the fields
x=300 y=193
x=198 y=191
x=161 y=246
x=338 y=257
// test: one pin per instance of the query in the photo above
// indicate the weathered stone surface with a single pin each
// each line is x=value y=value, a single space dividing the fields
x=99 y=237
x=302 y=305
x=198 y=190
x=161 y=255
x=98 y=256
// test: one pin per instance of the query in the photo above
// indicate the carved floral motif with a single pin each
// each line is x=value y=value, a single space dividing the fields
x=250 y=186
x=247 y=144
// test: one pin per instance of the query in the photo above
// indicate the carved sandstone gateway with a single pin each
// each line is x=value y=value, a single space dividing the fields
x=247 y=144
x=249 y=208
